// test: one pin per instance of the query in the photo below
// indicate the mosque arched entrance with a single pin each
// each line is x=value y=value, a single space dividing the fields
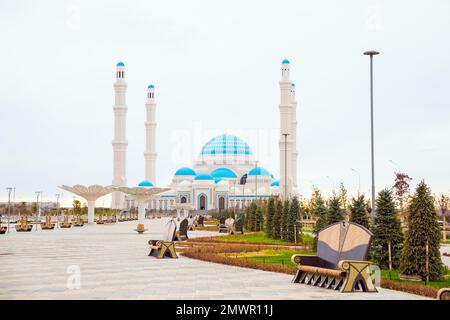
x=202 y=202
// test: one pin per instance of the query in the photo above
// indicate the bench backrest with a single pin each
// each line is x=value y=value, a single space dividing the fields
x=343 y=241
x=170 y=231
x=239 y=224
x=200 y=220
x=229 y=222
x=222 y=220
x=184 y=226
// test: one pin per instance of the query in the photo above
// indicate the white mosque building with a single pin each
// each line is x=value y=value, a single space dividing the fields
x=216 y=179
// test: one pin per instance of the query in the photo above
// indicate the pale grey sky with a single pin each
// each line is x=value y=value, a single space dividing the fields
x=216 y=67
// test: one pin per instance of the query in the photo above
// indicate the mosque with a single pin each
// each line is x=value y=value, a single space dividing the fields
x=225 y=174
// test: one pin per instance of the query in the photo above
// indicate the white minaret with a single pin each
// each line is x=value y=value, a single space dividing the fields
x=120 y=142
x=150 y=127
x=285 y=143
x=294 y=138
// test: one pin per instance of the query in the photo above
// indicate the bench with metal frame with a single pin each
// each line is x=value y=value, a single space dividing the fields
x=165 y=247
x=340 y=263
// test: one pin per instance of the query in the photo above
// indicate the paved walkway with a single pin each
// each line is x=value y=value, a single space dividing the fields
x=113 y=264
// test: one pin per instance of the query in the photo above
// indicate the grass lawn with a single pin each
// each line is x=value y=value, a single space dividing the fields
x=443 y=283
x=277 y=257
x=261 y=237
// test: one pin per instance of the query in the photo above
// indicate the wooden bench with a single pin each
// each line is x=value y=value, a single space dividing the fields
x=229 y=224
x=443 y=294
x=199 y=222
x=238 y=227
x=340 y=263
x=78 y=222
x=222 y=227
x=182 y=231
x=165 y=247
x=2 y=228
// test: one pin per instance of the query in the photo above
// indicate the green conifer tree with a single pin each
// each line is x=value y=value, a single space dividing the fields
x=358 y=211
x=335 y=210
x=259 y=218
x=321 y=214
x=276 y=228
x=284 y=220
x=270 y=216
x=386 y=228
x=423 y=230
x=293 y=225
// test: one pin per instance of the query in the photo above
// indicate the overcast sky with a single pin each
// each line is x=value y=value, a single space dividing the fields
x=216 y=67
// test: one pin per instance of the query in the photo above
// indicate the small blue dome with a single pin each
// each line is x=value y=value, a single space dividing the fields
x=258 y=172
x=121 y=64
x=204 y=176
x=275 y=183
x=145 y=184
x=285 y=61
x=223 y=173
x=293 y=84
x=150 y=86
x=185 y=171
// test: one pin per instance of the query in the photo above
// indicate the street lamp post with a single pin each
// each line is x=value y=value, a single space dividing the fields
x=9 y=189
x=371 y=54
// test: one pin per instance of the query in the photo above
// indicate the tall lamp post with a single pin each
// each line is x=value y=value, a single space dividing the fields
x=9 y=189
x=371 y=54
x=256 y=181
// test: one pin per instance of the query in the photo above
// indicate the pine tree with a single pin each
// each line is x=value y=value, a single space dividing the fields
x=284 y=220
x=358 y=211
x=293 y=225
x=276 y=231
x=386 y=228
x=252 y=219
x=259 y=218
x=321 y=213
x=270 y=213
x=423 y=228
x=335 y=211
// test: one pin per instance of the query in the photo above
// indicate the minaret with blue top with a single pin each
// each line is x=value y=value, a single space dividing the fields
x=119 y=142
x=285 y=143
x=150 y=127
x=294 y=137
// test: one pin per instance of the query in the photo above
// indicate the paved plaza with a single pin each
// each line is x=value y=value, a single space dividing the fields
x=111 y=262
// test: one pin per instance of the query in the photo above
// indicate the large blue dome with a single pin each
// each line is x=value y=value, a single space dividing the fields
x=226 y=144
x=259 y=172
x=185 y=171
x=223 y=173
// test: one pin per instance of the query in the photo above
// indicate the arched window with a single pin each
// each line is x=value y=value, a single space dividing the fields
x=221 y=203
x=183 y=199
x=202 y=202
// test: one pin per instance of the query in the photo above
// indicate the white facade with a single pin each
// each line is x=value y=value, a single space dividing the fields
x=120 y=142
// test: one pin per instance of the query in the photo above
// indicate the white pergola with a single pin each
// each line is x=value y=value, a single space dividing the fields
x=90 y=193
x=141 y=195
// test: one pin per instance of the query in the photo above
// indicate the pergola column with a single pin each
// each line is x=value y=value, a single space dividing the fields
x=91 y=211
x=141 y=211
